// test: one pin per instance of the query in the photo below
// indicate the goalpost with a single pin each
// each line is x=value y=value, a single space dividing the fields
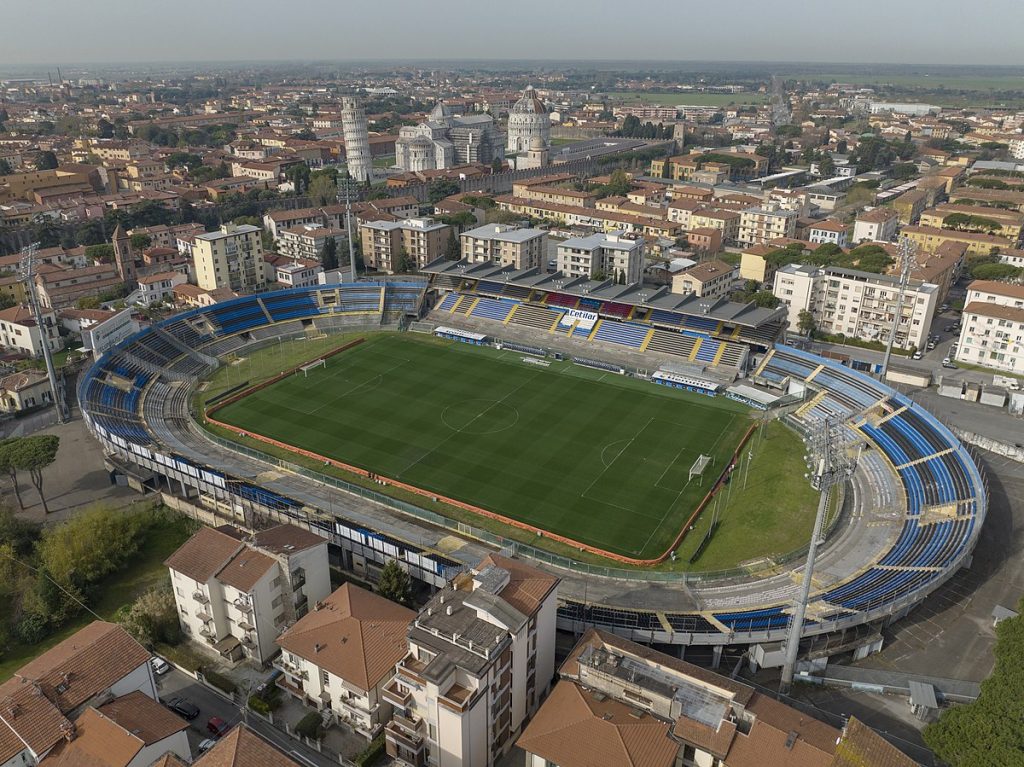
x=697 y=470
x=312 y=366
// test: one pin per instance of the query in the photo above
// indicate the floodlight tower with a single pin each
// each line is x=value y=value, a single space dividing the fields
x=908 y=262
x=831 y=466
x=28 y=268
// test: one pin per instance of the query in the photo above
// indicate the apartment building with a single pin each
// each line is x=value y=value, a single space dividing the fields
x=726 y=221
x=910 y=205
x=419 y=240
x=297 y=273
x=40 y=703
x=755 y=265
x=481 y=657
x=340 y=656
x=681 y=209
x=876 y=225
x=231 y=258
x=621 y=703
x=857 y=304
x=309 y=240
x=613 y=255
x=708 y=279
x=992 y=332
x=235 y=593
x=158 y=287
x=1002 y=223
x=62 y=286
x=19 y=331
x=505 y=245
x=828 y=232
x=929 y=239
x=762 y=225
x=166 y=236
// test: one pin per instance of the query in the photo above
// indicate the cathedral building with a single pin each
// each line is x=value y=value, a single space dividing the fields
x=445 y=140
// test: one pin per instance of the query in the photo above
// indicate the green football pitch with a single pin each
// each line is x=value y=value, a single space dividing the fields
x=589 y=455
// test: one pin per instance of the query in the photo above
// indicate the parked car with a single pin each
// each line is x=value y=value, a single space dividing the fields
x=206 y=745
x=267 y=686
x=184 y=708
x=930 y=346
x=949 y=328
x=944 y=308
x=217 y=726
x=948 y=363
x=159 y=665
x=917 y=355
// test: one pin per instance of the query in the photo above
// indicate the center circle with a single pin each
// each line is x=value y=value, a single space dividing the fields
x=479 y=416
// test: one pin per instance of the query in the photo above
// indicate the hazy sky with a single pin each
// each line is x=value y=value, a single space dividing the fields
x=873 y=31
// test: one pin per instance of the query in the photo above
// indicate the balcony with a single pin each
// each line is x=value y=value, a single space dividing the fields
x=203 y=614
x=393 y=695
x=290 y=669
x=201 y=597
x=298 y=579
x=412 y=668
x=414 y=743
x=355 y=706
x=246 y=626
x=301 y=601
x=243 y=604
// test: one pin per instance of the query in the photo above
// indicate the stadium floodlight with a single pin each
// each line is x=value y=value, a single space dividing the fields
x=27 y=264
x=907 y=262
x=832 y=467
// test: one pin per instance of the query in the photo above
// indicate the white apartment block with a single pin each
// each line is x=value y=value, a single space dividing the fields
x=1017 y=148
x=19 y=331
x=828 y=232
x=876 y=225
x=341 y=654
x=505 y=245
x=612 y=254
x=301 y=273
x=154 y=288
x=481 y=658
x=308 y=241
x=231 y=258
x=992 y=332
x=236 y=594
x=762 y=225
x=857 y=304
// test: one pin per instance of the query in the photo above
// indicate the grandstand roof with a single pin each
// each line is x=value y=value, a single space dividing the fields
x=747 y=315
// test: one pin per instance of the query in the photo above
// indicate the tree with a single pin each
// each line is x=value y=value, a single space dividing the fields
x=103 y=253
x=9 y=464
x=394 y=583
x=403 y=263
x=6 y=301
x=440 y=188
x=79 y=552
x=104 y=128
x=805 y=322
x=323 y=190
x=329 y=254
x=299 y=176
x=34 y=454
x=497 y=165
x=140 y=241
x=987 y=731
x=451 y=250
x=153 y=617
x=46 y=160
x=5 y=167
x=826 y=166
x=996 y=272
x=88 y=302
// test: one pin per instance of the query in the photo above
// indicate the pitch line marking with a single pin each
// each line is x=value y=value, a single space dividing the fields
x=471 y=421
x=462 y=429
x=608 y=466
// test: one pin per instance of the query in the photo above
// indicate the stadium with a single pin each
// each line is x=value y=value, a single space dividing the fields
x=447 y=409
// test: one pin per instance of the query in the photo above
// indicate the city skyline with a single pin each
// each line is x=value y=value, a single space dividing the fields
x=912 y=32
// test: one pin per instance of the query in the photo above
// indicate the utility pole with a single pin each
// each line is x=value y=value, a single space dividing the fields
x=28 y=264
x=348 y=230
x=908 y=263
x=831 y=466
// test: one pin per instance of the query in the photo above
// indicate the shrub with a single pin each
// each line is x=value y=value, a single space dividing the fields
x=220 y=681
x=310 y=726
x=371 y=753
x=32 y=628
x=259 y=705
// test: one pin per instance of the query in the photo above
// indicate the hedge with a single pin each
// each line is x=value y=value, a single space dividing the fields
x=220 y=681
x=371 y=753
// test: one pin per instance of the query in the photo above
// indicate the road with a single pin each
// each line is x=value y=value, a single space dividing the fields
x=211 y=703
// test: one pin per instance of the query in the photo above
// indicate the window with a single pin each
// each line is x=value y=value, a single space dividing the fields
x=325 y=678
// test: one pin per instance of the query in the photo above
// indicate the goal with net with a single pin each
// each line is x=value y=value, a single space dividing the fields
x=312 y=366
x=697 y=470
